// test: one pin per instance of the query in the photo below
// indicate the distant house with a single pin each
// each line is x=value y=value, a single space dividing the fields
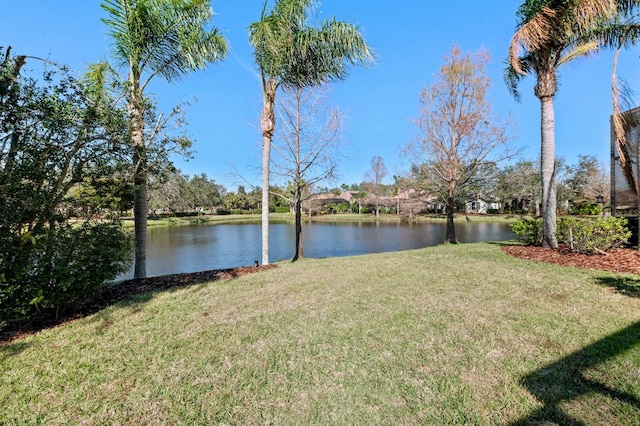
x=317 y=202
x=480 y=206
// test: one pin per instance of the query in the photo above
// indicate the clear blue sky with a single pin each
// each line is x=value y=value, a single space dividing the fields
x=411 y=37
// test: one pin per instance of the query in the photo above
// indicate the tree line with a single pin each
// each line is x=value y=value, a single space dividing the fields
x=512 y=188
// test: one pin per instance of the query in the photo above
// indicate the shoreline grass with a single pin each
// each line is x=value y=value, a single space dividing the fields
x=452 y=334
x=342 y=217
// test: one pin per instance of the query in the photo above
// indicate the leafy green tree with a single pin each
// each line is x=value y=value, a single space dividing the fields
x=549 y=34
x=292 y=53
x=53 y=134
x=203 y=192
x=101 y=195
x=156 y=37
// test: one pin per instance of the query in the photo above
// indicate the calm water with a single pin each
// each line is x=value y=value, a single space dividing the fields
x=196 y=248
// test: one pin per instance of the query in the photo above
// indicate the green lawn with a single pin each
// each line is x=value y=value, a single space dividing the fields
x=457 y=334
x=342 y=217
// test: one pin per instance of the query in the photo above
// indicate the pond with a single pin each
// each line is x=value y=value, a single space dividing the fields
x=194 y=248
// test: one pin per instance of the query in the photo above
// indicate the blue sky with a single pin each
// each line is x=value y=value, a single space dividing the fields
x=410 y=37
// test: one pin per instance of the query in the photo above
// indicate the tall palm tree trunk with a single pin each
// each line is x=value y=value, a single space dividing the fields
x=140 y=179
x=267 y=123
x=140 y=211
x=548 y=173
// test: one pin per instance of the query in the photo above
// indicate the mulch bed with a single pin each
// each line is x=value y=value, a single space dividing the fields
x=616 y=260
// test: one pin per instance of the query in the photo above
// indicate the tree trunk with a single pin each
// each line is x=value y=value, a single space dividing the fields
x=267 y=123
x=451 y=231
x=548 y=173
x=140 y=209
x=140 y=221
x=298 y=206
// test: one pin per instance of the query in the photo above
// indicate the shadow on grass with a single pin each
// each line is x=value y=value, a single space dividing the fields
x=627 y=286
x=564 y=380
x=131 y=292
x=12 y=349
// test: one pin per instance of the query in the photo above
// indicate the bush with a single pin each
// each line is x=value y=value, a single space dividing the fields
x=586 y=208
x=57 y=270
x=342 y=208
x=282 y=209
x=593 y=235
x=186 y=214
x=529 y=231
x=590 y=235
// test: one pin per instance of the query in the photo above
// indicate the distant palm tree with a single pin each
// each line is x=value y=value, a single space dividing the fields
x=549 y=34
x=291 y=53
x=156 y=37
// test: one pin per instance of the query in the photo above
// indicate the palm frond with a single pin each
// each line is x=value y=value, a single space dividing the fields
x=619 y=95
x=166 y=38
x=532 y=35
x=582 y=49
x=297 y=54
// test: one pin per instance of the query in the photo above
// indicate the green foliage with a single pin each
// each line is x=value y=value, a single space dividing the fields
x=529 y=231
x=295 y=53
x=586 y=208
x=588 y=235
x=281 y=209
x=47 y=273
x=593 y=235
x=56 y=135
x=342 y=208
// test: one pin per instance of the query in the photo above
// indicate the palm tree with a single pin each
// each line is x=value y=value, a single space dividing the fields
x=156 y=37
x=551 y=33
x=292 y=54
x=622 y=31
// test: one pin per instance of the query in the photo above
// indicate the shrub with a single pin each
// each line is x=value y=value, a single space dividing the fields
x=186 y=214
x=593 y=235
x=590 y=235
x=342 y=208
x=529 y=231
x=59 y=269
x=282 y=209
x=586 y=208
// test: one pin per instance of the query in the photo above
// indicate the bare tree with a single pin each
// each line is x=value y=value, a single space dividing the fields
x=458 y=133
x=374 y=177
x=306 y=148
x=588 y=179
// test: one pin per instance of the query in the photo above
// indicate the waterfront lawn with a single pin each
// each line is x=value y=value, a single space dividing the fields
x=340 y=217
x=457 y=334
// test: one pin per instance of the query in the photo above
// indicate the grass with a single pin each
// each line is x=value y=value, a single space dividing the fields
x=458 y=334
x=341 y=217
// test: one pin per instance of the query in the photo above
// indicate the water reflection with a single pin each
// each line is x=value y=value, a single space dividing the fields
x=202 y=247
